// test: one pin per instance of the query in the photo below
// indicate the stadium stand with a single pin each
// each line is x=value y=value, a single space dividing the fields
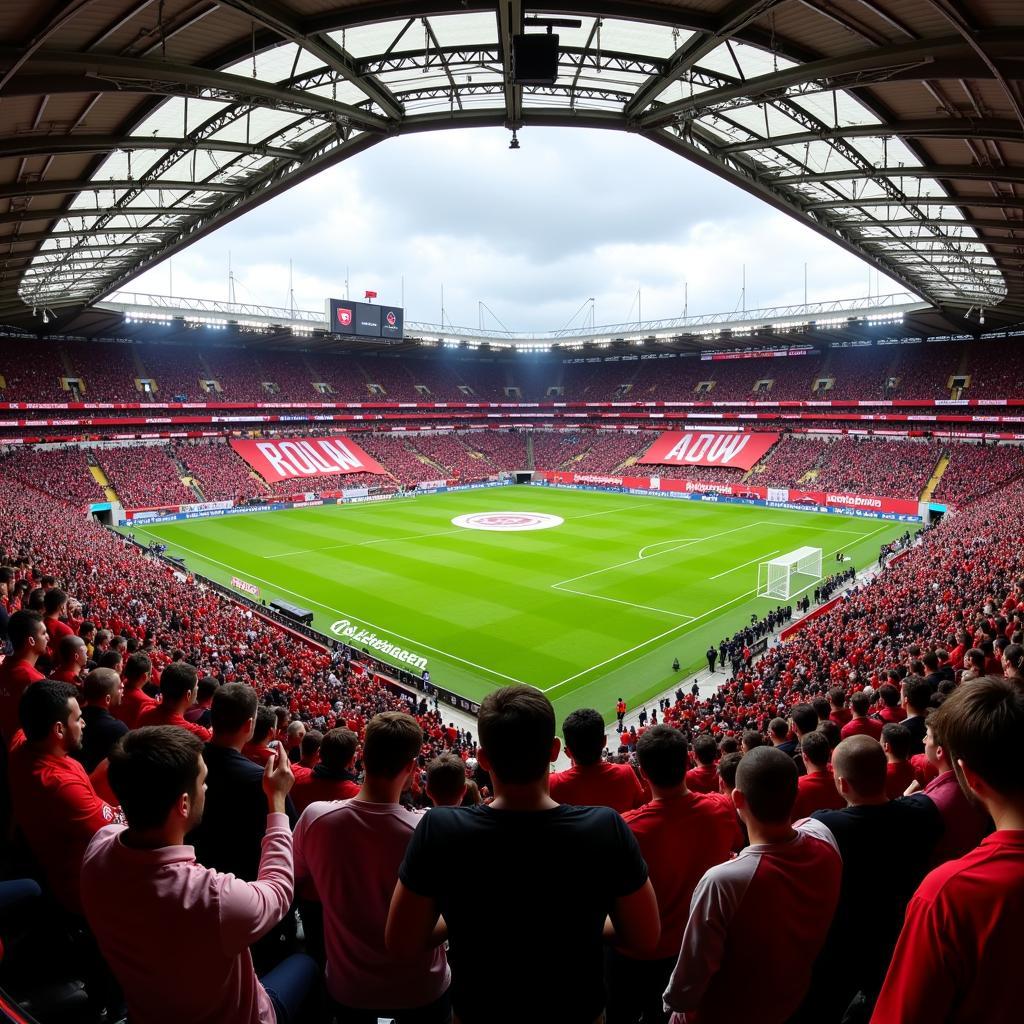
x=144 y=475
x=220 y=473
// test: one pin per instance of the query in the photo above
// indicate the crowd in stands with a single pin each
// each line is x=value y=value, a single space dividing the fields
x=975 y=469
x=858 y=721
x=454 y=455
x=559 y=450
x=862 y=374
x=614 y=451
x=62 y=472
x=221 y=474
x=789 y=461
x=886 y=468
x=144 y=475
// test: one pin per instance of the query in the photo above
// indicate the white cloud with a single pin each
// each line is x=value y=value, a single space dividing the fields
x=532 y=234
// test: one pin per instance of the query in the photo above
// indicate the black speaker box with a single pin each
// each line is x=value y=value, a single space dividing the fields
x=535 y=59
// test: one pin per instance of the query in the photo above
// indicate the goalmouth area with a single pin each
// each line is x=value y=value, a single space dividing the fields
x=587 y=595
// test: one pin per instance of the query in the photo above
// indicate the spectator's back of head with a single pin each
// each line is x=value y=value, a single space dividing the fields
x=705 y=750
x=205 y=689
x=311 y=743
x=584 y=735
x=918 y=693
x=897 y=738
x=266 y=723
x=136 y=667
x=767 y=779
x=392 y=741
x=821 y=707
x=516 y=726
x=151 y=769
x=816 y=749
x=779 y=729
x=860 y=763
x=750 y=740
x=981 y=725
x=178 y=680
x=53 y=601
x=727 y=767
x=446 y=780
x=662 y=753
x=337 y=749
x=860 y=703
x=99 y=684
x=805 y=718
x=234 y=706
x=889 y=695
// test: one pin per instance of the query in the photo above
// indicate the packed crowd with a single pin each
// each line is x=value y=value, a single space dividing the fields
x=880 y=696
x=895 y=469
x=975 y=469
x=144 y=475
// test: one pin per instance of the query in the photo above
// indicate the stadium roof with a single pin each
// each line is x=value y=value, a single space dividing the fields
x=129 y=128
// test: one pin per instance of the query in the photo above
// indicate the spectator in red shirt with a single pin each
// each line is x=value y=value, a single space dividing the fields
x=736 y=940
x=54 y=802
x=258 y=749
x=199 y=713
x=446 y=781
x=333 y=778
x=590 y=781
x=839 y=713
x=958 y=955
x=860 y=724
x=55 y=605
x=816 y=791
x=703 y=778
x=27 y=634
x=134 y=701
x=891 y=710
x=72 y=657
x=899 y=772
x=310 y=754
x=681 y=834
x=178 y=684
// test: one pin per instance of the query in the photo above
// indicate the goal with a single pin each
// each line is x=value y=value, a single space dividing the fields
x=783 y=577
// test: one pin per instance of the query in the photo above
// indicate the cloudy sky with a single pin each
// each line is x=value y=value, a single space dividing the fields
x=533 y=234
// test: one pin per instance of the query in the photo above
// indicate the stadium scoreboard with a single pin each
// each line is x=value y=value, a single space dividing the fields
x=365 y=320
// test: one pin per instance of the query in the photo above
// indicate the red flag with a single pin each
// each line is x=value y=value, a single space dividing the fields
x=369 y=295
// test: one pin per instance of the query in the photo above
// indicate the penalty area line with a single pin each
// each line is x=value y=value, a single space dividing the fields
x=335 y=611
x=684 y=625
x=760 y=558
x=616 y=600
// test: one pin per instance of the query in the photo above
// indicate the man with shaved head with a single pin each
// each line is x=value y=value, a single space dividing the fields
x=102 y=690
x=886 y=846
x=72 y=656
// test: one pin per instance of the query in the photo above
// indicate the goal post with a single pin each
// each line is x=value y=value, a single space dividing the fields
x=783 y=577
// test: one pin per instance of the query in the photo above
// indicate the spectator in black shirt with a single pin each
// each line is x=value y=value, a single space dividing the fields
x=592 y=868
x=886 y=846
x=101 y=691
x=917 y=695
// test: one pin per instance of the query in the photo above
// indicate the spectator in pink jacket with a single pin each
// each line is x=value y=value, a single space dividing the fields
x=176 y=934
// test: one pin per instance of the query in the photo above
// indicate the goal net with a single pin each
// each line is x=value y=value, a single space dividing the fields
x=783 y=577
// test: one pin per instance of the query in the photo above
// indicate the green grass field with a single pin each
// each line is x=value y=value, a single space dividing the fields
x=589 y=610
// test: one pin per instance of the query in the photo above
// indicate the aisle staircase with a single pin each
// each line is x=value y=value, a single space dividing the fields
x=933 y=483
x=530 y=464
x=101 y=478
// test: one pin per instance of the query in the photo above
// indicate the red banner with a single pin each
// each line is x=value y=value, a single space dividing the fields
x=704 y=448
x=305 y=457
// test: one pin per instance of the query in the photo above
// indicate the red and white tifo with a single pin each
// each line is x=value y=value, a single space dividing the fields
x=507 y=522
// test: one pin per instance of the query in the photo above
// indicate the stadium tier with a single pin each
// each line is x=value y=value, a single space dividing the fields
x=109 y=372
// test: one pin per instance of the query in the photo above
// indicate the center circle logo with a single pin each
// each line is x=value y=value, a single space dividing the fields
x=507 y=522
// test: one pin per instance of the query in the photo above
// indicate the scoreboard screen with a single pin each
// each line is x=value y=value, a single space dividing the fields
x=364 y=319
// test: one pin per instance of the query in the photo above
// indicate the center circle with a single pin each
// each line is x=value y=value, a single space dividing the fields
x=507 y=522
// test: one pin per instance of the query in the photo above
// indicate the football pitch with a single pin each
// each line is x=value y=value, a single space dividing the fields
x=590 y=609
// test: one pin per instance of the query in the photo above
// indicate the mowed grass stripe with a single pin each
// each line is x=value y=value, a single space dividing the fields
x=487 y=598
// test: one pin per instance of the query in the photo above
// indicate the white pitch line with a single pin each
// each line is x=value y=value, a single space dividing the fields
x=745 y=564
x=675 y=629
x=630 y=561
x=615 y=600
x=682 y=541
x=336 y=611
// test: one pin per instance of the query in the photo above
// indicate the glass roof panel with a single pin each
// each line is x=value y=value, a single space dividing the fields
x=642 y=37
